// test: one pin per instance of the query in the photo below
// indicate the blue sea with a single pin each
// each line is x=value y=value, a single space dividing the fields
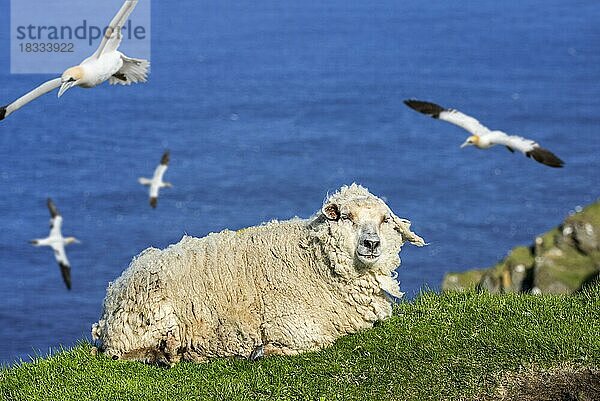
x=266 y=107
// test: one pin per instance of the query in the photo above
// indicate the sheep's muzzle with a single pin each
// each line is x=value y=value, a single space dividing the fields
x=368 y=248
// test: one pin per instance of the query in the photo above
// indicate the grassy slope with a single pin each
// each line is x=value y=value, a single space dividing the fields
x=449 y=346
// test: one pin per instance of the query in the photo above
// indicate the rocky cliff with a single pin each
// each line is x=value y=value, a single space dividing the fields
x=561 y=261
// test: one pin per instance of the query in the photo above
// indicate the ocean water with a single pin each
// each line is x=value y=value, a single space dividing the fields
x=267 y=106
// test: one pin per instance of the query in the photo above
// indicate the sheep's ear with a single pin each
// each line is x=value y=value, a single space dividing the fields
x=331 y=211
x=403 y=227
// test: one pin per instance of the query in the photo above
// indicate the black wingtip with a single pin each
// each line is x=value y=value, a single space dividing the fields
x=153 y=202
x=66 y=274
x=165 y=158
x=546 y=157
x=2 y=113
x=431 y=109
x=52 y=208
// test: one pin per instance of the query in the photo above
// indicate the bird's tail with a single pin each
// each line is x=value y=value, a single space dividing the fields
x=133 y=71
x=144 y=181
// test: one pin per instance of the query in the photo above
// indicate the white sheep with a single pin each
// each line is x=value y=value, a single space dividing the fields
x=281 y=288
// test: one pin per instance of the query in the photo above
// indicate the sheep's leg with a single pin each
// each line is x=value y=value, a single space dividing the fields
x=278 y=349
x=293 y=334
x=257 y=353
x=150 y=335
x=166 y=353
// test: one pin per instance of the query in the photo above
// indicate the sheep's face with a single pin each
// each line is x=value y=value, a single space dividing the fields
x=365 y=228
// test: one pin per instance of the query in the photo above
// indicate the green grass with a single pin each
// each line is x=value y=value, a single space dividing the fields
x=590 y=214
x=449 y=346
x=463 y=280
x=521 y=255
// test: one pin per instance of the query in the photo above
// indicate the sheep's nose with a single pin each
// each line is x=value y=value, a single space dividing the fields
x=371 y=243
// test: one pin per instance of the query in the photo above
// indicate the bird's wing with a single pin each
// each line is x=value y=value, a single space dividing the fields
x=164 y=160
x=546 y=157
x=159 y=173
x=65 y=270
x=63 y=262
x=526 y=146
x=31 y=96
x=112 y=36
x=52 y=208
x=464 y=121
x=450 y=115
x=55 y=226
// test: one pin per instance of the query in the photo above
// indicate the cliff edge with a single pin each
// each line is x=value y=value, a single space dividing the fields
x=560 y=261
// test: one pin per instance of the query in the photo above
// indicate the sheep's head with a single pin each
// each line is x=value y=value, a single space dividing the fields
x=365 y=227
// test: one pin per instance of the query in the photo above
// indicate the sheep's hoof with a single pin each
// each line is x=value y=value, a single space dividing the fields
x=257 y=353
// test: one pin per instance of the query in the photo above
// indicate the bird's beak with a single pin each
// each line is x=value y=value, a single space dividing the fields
x=466 y=143
x=65 y=87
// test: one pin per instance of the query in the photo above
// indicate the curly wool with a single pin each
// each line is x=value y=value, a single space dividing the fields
x=285 y=286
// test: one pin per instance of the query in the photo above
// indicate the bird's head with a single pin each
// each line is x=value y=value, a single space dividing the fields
x=472 y=140
x=69 y=79
x=71 y=240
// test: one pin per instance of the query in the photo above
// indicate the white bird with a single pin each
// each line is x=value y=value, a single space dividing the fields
x=57 y=242
x=156 y=182
x=482 y=137
x=107 y=63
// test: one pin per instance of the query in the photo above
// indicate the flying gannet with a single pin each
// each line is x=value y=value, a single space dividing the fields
x=107 y=63
x=484 y=138
x=57 y=242
x=156 y=182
